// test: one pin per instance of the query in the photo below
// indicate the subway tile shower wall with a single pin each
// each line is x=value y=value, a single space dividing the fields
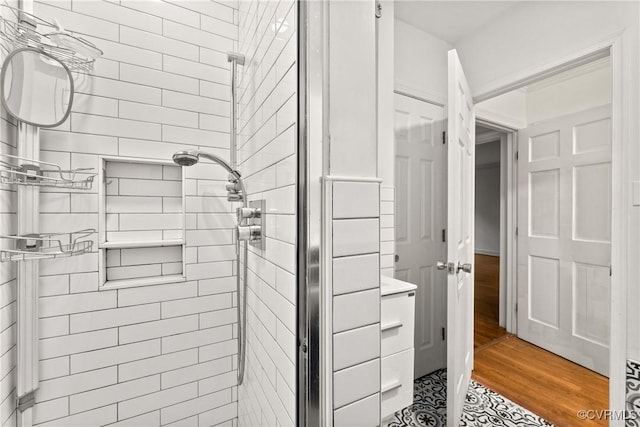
x=163 y=354
x=355 y=226
x=267 y=159
x=387 y=230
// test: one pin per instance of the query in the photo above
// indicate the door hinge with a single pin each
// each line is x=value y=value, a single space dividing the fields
x=444 y=235
x=610 y=271
x=444 y=334
x=516 y=231
x=516 y=308
x=444 y=136
x=517 y=155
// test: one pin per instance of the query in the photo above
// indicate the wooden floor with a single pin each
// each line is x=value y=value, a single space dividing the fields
x=546 y=384
x=486 y=301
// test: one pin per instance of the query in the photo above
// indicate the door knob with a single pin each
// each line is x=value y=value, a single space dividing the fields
x=396 y=258
x=464 y=267
x=449 y=266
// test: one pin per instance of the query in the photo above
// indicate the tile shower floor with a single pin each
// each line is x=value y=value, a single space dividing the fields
x=483 y=407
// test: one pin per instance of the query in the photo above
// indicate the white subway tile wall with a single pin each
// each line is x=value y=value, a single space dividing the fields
x=164 y=354
x=356 y=245
x=267 y=159
x=142 y=197
x=387 y=231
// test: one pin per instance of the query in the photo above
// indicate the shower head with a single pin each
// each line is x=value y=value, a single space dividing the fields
x=191 y=157
x=186 y=158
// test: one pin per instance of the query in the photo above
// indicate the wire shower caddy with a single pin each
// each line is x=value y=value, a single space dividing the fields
x=25 y=30
x=47 y=245
x=23 y=171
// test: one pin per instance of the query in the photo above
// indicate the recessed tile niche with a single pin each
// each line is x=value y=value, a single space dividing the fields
x=142 y=222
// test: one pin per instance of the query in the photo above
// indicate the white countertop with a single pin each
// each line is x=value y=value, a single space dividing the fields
x=389 y=286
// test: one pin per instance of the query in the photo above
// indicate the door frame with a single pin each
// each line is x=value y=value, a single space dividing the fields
x=508 y=220
x=621 y=149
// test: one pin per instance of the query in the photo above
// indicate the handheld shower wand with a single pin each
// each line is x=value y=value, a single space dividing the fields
x=244 y=232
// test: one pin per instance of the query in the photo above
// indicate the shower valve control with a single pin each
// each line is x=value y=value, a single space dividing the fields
x=250 y=233
x=243 y=213
x=252 y=223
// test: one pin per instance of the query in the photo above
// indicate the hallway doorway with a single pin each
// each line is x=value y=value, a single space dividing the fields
x=552 y=358
x=542 y=382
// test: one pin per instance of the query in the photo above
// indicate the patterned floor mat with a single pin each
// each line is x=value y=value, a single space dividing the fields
x=483 y=407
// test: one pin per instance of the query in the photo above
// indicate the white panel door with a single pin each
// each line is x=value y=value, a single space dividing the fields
x=564 y=247
x=420 y=206
x=460 y=224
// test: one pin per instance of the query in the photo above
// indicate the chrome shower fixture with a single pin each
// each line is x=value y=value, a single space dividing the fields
x=234 y=190
x=235 y=59
x=249 y=229
x=235 y=193
x=191 y=157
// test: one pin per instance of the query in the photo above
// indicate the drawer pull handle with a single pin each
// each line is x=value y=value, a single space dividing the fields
x=390 y=326
x=394 y=385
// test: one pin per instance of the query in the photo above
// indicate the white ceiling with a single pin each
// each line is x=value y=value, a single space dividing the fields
x=450 y=20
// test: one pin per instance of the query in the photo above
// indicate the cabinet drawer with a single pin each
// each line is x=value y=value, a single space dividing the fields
x=396 y=322
x=396 y=385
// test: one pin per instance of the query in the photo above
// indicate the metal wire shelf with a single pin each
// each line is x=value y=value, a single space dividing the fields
x=47 y=245
x=23 y=32
x=23 y=171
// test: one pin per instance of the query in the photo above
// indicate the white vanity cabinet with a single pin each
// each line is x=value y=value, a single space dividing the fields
x=397 y=310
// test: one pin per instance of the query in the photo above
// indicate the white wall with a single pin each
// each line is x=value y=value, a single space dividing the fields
x=267 y=159
x=487 y=217
x=386 y=52
x=534 y=34
x=420 y=63
x=578 y=89
x=508 y=110
x=146 y=355
x=488 y=153
x=572 y=93
x=354 y=144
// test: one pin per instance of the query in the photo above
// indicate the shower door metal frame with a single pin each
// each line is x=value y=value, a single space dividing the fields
x=312 y=63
